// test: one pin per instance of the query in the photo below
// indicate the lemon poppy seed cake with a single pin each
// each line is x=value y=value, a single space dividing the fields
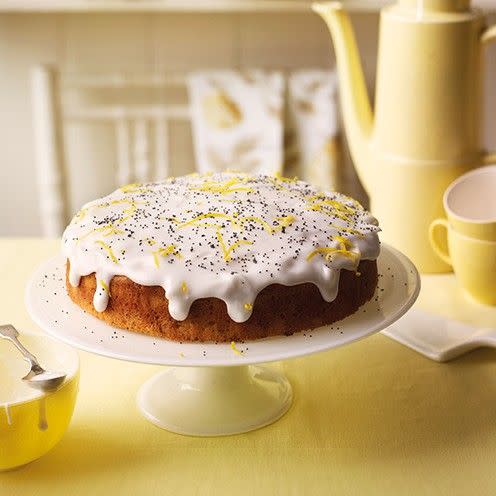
x=221 y=257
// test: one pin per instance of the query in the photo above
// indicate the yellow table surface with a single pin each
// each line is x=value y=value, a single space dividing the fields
x=370 y=418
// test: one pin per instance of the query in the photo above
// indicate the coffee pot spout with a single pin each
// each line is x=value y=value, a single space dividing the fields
x=355 y=103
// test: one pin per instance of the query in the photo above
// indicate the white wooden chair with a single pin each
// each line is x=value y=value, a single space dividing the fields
x=133 y=125
x=141 y=133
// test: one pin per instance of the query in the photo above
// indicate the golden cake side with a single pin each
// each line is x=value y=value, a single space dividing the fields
x=277 y=309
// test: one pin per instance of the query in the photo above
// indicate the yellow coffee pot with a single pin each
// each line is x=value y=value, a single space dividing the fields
x=425 y=130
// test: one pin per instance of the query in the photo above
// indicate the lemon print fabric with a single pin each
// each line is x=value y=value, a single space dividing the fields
x=237 y=120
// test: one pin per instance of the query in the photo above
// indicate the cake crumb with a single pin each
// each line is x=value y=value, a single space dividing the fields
x=233 y=347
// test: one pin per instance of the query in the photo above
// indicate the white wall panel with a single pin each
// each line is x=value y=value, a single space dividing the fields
x=24 y=41
x=144 y=42
x=185 y=41
x=107 y=42
x=285 y=40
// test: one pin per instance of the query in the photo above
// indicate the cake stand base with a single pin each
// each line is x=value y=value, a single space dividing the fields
x=215 y=401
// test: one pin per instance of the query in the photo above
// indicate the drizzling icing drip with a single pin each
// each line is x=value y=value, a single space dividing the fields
x=223 y=235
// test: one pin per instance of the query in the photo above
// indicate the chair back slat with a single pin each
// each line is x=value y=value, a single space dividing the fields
x=141 y=151
x=162 y=170
x=142 y=142
x=122 y=134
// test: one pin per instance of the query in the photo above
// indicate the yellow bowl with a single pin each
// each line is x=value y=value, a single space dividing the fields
x=33 y=422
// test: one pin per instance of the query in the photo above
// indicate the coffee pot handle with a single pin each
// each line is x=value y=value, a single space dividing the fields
x=488 y=36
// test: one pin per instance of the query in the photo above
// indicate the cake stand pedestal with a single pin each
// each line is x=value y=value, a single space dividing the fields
x=215 y=401
x=215 y=389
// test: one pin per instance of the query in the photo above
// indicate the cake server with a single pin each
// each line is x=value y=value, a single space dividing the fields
x=37 y=377
x=439 y=338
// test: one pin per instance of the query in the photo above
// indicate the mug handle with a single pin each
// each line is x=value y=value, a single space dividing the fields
x=442 y=254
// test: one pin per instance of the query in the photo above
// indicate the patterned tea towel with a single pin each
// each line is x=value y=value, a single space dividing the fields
x=312 y=137
x=237 y=120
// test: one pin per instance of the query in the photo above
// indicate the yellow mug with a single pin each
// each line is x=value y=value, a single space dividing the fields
x=473 y=260
x=470 y=203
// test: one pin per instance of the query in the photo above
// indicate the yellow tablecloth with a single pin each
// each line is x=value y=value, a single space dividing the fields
x=370 y=418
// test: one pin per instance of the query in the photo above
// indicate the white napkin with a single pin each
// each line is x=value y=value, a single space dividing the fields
x=237 y=120
x=313 y=134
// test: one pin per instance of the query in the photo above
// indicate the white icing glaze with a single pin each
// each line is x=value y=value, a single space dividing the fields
x=42 y=419
x=224 y=235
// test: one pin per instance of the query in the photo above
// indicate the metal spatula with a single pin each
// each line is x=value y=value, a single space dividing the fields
x=439 y=338
x=37 y=377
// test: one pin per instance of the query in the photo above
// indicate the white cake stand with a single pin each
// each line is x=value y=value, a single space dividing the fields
x=215 y=389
